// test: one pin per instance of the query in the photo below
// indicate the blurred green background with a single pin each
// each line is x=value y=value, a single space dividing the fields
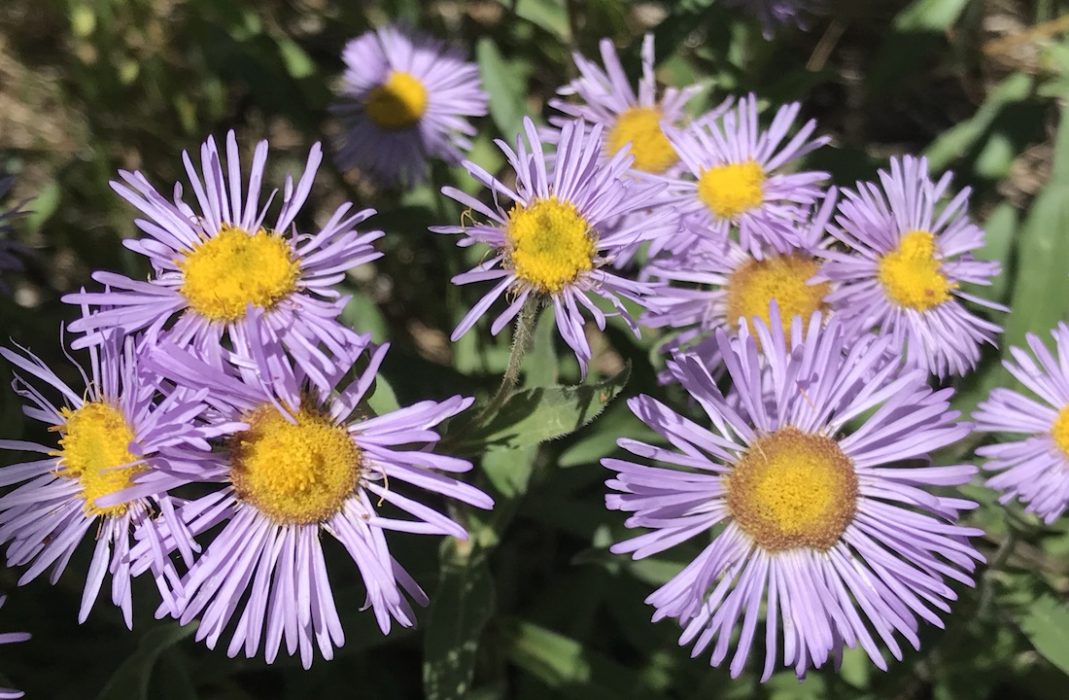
x=537 y=608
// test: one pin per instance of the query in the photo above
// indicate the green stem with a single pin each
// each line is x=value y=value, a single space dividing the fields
x=521 y=343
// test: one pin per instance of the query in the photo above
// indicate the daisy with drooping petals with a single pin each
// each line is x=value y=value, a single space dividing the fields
x=1035 y=469
x=11 y=638
x=550 y=241
x=630 y=120
x=213 y=266
x=406 y=98
x=831 y=533
x=737 y=286
x=305 y=462
x=908 y=256
x=739 y=178
x=773 y=14
x=109 y=433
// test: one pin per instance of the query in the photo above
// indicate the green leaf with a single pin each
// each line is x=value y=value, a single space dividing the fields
x=505 y=84
x=463 y=604
x=600 y=440
x=383 y=400
x=1046 y=624
x=131 y=680
x=535 y=415
x=1001 y=229
x=298 y=63
x=363 y=316
x=565 y=665
x=550 y=15
x=541 y=362
x=509 y=470
x=956 y=141
x=929 y=15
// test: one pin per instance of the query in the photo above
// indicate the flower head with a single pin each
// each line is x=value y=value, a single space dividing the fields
x=709 y=288
x=11 y=638
x=739 y=178
x=908 y=256
x=213 y=266
x=558 y=231
x=1034 y=469
x=631 y=119
x=303 y=462
x=774 y=14
x=813 y=482
x=406 y=98
x=108 y=434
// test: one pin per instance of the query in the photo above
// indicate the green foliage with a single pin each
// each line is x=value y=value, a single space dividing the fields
x=534 y=605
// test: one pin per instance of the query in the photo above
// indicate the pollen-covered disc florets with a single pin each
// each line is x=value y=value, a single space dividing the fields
x=733 y=189
x=639 y=129
x=397 y=103
x=95 y=450
x=792 y=489
x=783 y=279
x=550 y=243
x=295 y=470
x=911 y=273
x=234 y=269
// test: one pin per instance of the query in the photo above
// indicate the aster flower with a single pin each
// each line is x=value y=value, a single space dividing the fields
x=740 y=179
x=832 y=530
x=635 y=121
x=211 y=267
x=727 y=288
x=630 y=119
x=11 y=638
x=109 y=433
x=406 y=98
x=773 y=14
x=908 y=255
x=8 y=260
x=305 y=462
x=1034 y=469
x=552 y=242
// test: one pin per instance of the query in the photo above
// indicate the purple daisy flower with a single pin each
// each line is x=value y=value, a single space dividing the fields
x=630 y=119
x=559 y=232
x=831 y=530
x=406 y=98
x=8 y=248
x=908 y=255
x=212 y=267
x=110 y=433
x=773 y=14
x=340 y=465
x=727 y=288
x=11 y=638
x=1035 y=469
x=740 y=179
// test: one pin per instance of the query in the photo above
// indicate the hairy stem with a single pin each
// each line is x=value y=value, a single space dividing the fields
x=521 y=343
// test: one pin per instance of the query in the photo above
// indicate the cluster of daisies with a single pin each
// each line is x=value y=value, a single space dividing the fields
x=222 y=425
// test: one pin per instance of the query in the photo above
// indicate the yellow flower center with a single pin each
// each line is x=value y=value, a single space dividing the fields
x=96 y=439
x=732 y=190
x=550 y=244
x=294 y=473
x=753 y=286
x=398 y=103
x=233 y=269
x=640 y=127
x=912 y=276
x=1060 y=431
x=793 y=490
